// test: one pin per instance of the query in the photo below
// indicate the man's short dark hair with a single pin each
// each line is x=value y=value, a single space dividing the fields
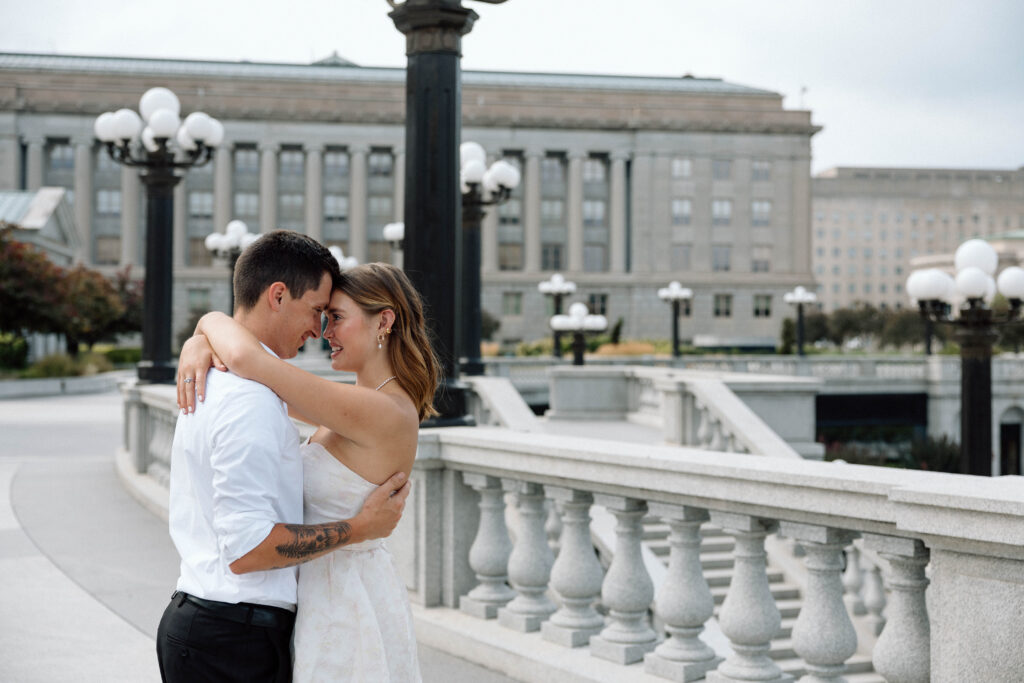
x=297 y=260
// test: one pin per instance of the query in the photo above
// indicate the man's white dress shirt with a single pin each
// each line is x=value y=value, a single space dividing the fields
x=235 y=472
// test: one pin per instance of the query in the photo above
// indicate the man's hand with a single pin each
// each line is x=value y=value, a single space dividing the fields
x=383 y=508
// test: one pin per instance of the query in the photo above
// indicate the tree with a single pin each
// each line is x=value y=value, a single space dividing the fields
x=28 y=287
x=90 y=307
x=902 y=328
x=488 y=325
x=131 y=294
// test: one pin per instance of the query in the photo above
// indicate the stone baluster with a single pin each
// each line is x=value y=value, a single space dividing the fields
x=903 y=651
x=874 y=595
x=853 y=582
x=683 y=601
x=529 y=565
x=576 y=575
x=748 y=617
x=627 y=590
x=823 y=634
x=553 y=527
x=488 y=556
x=704 y=425
x=717 y=442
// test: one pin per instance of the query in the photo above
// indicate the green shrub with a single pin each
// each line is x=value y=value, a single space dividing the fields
x=93 y=364
x=54 y=365
x=124 y=355
x=13 y=351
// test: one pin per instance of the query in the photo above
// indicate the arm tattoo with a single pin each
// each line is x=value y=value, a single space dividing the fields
x=307 y=540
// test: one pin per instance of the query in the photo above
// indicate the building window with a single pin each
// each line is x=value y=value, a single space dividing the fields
x=593 y=171
x=510 y=212
x=198 y=254
x=61 y=156
x=551 y=170
x=108 y=202
x=380 y=163
x=247 y=160
x=108 y=250
x=595 y=258
x=198 y=299
x=291 y=161
x=761 y=170
x=682 y=211
x=760 y=259
x=721 y=211
x=291 y=203
x=380 y=206
x=721 y=169
x=682 y=168
x=200 y=204
x=593 y=213
x=510 y=256
x=720 y=258
x=723 y=305
x=551 y=257
x=681 y=254
x=762 y=305
x=247 y=204
x=335 y=163
x=598 y=304
x=760 y=212
x=511 y=303
x=335 y=207
x=684 y=308
x=551 y=210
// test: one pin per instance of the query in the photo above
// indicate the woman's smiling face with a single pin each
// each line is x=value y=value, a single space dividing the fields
x=349 y=333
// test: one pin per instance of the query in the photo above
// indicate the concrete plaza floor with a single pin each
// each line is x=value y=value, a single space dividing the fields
x=87 y=570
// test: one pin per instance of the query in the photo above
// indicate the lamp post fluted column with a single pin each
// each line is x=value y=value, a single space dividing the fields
x=675 y=294
x=156 y=365
x=976 y=335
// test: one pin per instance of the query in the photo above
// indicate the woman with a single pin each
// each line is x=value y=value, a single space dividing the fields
x=353 y=621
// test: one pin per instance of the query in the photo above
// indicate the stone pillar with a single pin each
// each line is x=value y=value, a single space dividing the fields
x=130 y=215
x=268 y=187
x=490 y=551
x=399 y=202
x=34 y=162
x=531 y=211
x=576 y=575
x=83 y=197
x=357 y=203
x=617 y=214
x=529 y=565
x=683 y=601
x=874 y=596
x=315 y=191
x=180 y=226
x=823 y=634
x=748 y=617
x=574 y=212
x=223 y=205
x=903 y=651
x=489 y=240
x=627 y=590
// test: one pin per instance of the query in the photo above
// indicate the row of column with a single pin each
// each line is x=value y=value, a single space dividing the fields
x=515 y=580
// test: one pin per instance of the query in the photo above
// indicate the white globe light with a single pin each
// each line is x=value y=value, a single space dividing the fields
x=148 y=140
x=394 y=232
x=199 y=126
x=164 y=123
x=1011 y=282
x=990 y=289
x=505 y=174
x=473 y=171
x=103 y=128
x=595 y=323
x=972 y=282
x=236 y=228
x=126 y=124
x=976 y=253
x=578 y=310
x=472 y=151
x=213 y=241
x=490 y=182
x=914 y=284
x=562 y=323
x=216 y=135
x=156 y=99
x=185 y=140
x=248 y=238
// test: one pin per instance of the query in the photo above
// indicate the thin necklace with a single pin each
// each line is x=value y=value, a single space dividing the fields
x=385 y=382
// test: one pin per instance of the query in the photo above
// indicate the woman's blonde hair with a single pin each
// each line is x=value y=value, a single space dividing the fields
x=379 y=286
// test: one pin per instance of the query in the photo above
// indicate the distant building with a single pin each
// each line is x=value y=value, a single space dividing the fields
x=869 y=223
x=628 y=182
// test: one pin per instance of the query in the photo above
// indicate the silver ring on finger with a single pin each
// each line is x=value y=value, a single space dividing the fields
x=188 y=380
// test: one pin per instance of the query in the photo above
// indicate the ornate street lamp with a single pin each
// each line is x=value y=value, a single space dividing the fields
x=963 y=302
x=578 y=321
x=481 y=187
x=800 y=297
x=675 y=294
x=228 y=246
x=557 y=287
x=160 y=144
x=344 y=262
x=394 y=234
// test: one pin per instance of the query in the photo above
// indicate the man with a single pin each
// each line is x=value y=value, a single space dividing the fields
x=236 y=488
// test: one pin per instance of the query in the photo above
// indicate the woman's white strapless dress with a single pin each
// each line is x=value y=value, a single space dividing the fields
x=353 y=621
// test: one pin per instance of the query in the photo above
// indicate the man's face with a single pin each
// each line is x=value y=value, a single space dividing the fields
x=300 y=319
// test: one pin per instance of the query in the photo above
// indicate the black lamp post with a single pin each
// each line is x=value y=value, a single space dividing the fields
x=147 y=146
x=480 y=188
x=229 y=245
x=975 y=262
x=800 y=297
x=675 y=294
x=578 y=322
x=557 y=287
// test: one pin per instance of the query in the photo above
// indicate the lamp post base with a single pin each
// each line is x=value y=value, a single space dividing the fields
x=156 y=372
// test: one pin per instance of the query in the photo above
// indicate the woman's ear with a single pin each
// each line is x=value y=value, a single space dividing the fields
x=387 y=319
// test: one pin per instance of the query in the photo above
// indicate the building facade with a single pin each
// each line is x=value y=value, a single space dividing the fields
x=870 y=223
x=628 y=182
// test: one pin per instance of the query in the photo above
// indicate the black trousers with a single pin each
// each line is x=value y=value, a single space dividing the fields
x=198 y=645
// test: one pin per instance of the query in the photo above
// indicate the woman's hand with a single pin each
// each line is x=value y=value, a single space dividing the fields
x=196 y=358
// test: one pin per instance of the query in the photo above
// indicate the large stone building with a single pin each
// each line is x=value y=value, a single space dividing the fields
x=869 y=223
x=628 y=182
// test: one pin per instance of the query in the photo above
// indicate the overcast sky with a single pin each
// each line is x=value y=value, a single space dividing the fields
x=893 y=82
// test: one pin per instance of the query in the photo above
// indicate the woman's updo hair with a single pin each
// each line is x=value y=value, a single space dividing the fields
x=379 y=286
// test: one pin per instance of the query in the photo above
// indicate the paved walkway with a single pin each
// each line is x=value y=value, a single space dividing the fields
x=86 y=570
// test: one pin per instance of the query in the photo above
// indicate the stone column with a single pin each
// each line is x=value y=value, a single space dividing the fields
x=748 y=616
x=83 y=197
x=268 y=186
x=903 y=651
x=683 y=601
x=357 y=202
x=529 y=565
x=130 y=215
x=490 y=551
x=489 y=240
x=874 y=595
x=223 y=205
x=399 y=202
x=576 y=575
x=627 y=590
x=531 y=211
x=180 y=225
x=574 y=212
x=34 y=162
x=315 y=191
x=617 y=214
x=823 y=634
